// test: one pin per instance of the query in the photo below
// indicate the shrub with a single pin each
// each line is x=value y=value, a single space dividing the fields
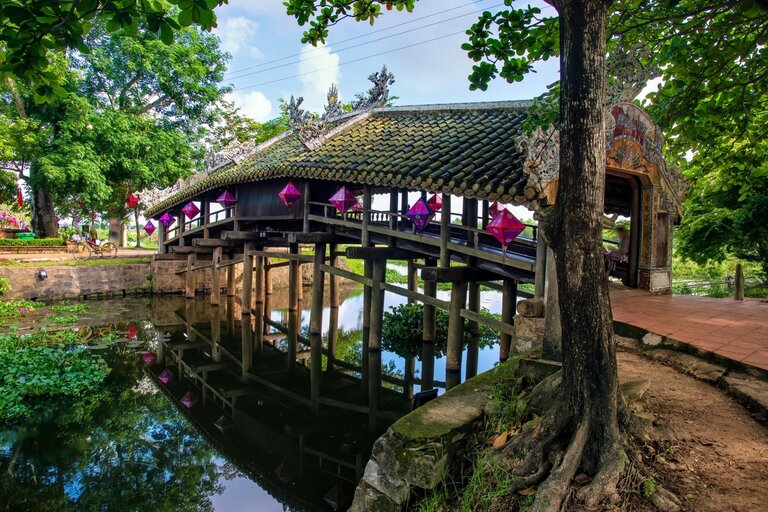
x=5 y=285
x=36 y=242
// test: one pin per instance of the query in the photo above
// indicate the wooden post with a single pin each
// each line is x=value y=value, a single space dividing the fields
x=403 y=208
x=428 y=335
x=473 y=347
x=230 y=279
x=445 y=231
x=258 y=328
x=293 y=307
x=409 y=375
x=206 y=207
x=316 y=328
x=268 y=285
x=216 y=334
x=368 y=272
x=455 y=334
x=486 y=212
x=246 y=340
x=376 y=316
x=413 y=279
x=738 y=288
x=508 y=307
x=541 y=264
x=305 y=199
x=231 y=316
x=161 y=248
x=180 y=221
x=365 y=236
x=216 y=277
x=333 y=326
x=247 y=279
x=392 y=214
x=189 y=289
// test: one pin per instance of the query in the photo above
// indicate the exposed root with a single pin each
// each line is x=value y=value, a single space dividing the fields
x=554 y=490
x=604 y=486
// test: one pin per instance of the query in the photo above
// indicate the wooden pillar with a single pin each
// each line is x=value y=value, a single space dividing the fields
x=365 y=237
x=316 y=328
x=231 y=316
x=216 y=277
x=738 y=285
x=445 y=231
x=246 y=340
x=230 y=278
x=305 y=199
x=333 y=326
x=206 y=211
x=392 y=214
x=409 y=374
x=403 y=208
x=485 y=213
x=161 y=248
x=368 y=272
x=473 y=347
x=294 y=285
x=376 y=315
x=247 y=279
x=455 y=334
x=413 y=279
x=428 y=336
x=189 y=288
x=180 y=222
x=216 y=334
x=258 y=328
x=268 y=284
x=541 y=265
x=508 y=307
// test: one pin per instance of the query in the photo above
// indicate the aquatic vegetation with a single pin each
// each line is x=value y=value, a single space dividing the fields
x=16 y=308
x=66 y=319
x=66 y=307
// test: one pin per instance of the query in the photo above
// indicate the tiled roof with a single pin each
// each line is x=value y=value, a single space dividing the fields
x=462 y=149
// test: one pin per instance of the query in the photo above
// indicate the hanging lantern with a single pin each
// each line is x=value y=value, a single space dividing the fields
x=343 y=200
x=149 y=227
x=505 y=227
x=165 y=376
x=166 y=220
x=188 y=400
x=290 y=194
x=131 y=201
x=435 y=203
x=420 y=214
x=148 y=358
x=226 y=200
x=132 y=332
x=190 y=210
x=494 y=210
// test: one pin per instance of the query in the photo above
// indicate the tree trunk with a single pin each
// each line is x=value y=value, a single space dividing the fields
x=138 y=229
x=590 y=379
x=44 y=222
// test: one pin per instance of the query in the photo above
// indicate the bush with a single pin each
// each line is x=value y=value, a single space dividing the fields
x=36 y=242
x=5 y=285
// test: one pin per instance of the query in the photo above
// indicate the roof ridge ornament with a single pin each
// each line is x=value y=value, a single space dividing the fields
x=378 y=95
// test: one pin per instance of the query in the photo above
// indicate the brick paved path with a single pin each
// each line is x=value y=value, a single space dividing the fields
x=736 y=330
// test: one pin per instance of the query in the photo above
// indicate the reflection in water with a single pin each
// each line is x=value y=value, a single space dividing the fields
x=250 y=441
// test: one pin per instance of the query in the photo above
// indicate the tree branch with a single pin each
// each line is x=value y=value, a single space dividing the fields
x=159 y=102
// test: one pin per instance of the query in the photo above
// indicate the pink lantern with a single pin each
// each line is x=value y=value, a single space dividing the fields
x=190 y=210
x=165 y=376
x=505 y=227
x=290 y=194
x=420 y=214
x=167 y=220
x=148 y=358
x=494 y=210
x=188 y=400
x=131 y=201
x=149 y=227
x=343 y=200
x=435 y=203
x=226 y=200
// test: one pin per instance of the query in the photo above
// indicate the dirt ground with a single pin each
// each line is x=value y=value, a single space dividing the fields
x=711 y=453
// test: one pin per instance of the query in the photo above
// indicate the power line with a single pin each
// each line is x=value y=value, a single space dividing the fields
x=360 y=44
x=414 y=20
x=251 y=86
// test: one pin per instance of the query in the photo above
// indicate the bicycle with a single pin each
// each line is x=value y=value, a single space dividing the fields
x=85 y=247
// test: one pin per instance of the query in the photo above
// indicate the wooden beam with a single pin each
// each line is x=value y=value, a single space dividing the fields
x=187 y=249
x=170 y=257
x=346 y=274
x=212 y=242
x=457 y=274
x=312 y=238
x=364 y=253
x=304 y=258
x=241 y=235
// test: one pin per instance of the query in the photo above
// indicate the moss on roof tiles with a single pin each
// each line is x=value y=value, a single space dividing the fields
x=465 y=149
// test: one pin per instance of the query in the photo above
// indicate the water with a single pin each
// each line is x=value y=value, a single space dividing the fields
x=132 y=445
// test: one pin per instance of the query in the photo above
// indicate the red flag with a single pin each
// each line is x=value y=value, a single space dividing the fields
x=20 y=198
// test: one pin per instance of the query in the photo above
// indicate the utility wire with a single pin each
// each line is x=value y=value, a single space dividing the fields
x=251 y=86
x=339 y=50
x=414 y=20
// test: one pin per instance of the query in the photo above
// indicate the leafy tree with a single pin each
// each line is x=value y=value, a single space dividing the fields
x=31 y=29
x=131 y=117
x=581 y=428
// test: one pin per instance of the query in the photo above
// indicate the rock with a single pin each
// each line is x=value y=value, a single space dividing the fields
x=689 y=364
x=665 y=501
x=750 y=391
x=368 y=499
x=652 y=340
x=386 y=482
x=633 y=391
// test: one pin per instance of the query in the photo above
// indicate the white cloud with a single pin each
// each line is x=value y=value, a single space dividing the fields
x=253 y=104
x=320 y=67
x=237 y=34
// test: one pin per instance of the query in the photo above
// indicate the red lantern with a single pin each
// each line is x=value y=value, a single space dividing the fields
x=132 y=200
x=505 y=227
x=494 y=210
x=290 y=194
x=435 y=203
x=190 y=210
x=343 y=200
x=420 y=214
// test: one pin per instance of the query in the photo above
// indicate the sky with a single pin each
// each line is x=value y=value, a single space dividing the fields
x=269 y=62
